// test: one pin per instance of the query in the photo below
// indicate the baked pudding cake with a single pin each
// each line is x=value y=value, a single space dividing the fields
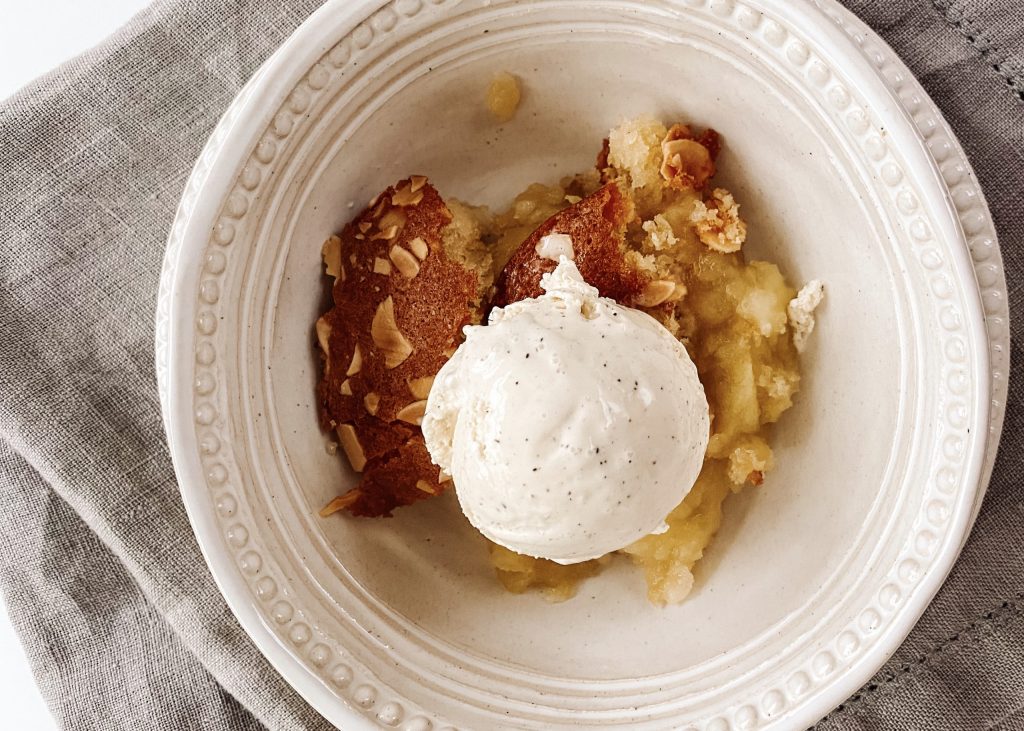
x=650 y=230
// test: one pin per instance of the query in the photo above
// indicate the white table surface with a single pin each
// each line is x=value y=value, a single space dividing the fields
x=35 y=36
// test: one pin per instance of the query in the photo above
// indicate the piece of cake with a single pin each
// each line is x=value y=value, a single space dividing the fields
x=400 y=303
x=597 y=226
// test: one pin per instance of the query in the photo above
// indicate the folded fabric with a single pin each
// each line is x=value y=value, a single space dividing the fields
x=102 y=576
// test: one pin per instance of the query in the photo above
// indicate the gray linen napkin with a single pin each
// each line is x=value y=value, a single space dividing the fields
x=121 y=621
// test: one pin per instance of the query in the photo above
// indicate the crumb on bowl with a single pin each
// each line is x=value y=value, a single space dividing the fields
x=503 y=96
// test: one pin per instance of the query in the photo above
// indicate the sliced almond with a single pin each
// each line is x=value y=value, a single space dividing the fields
x=372 y=402
x=420 y=387
x=331 y=253
x=323 y=335
x=404 y=261
x=443 y=477
x=353 y=449
x=339 y=503
x=346 y=387
x=385 y=234
x=572 y=199
x=413 y=413
x=365 y=226
x=378 y=209
x=386 y=335
x=425 y=487
x=419 y=248
x=360 y=237
x=381 y=266
x=416 y=182
x=356 y=363
x=394 y=217
x=405 y=196
x=687 y=157
x=656 y=292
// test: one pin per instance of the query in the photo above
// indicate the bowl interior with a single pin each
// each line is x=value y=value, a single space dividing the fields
x=807 y=209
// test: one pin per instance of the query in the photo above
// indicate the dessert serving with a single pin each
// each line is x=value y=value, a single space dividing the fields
x=799 y=587
x=593 y=370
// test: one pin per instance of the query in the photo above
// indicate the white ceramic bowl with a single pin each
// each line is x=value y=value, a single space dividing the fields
x=846 y=172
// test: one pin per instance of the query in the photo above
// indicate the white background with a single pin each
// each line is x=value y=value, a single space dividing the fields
x=35 y=36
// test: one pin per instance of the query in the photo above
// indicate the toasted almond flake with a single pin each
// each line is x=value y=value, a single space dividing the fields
x=331 y=253
x=386 y=335
x=419 y=248
x=425 y=486
x=443 y=477
x=365 y=226
x=385 y=234
x=356 y=363
x=378 y=209
x=339 y=503
x=373 y=201
x=412 y=413
x=372 y=402
x=420 y=387
x=416 y=182
x=572 y=199
x=353 y=449
x=346 y=387
x=656 y=292
x=381 y=266
x=670 y=163
x=323 y=335
x=394 y=217
x=360 y=237
x=687 y=157
x=404 y=261
x=405 y=196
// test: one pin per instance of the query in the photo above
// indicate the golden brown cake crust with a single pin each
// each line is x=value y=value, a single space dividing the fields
x=399 y=308
x=398 y=478
x=597 y=225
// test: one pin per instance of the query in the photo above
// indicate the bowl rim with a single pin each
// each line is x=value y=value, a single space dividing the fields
x=208 y=187
x=216 y=167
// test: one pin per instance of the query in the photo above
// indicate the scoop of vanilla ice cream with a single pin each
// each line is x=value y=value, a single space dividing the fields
x=571 y=425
